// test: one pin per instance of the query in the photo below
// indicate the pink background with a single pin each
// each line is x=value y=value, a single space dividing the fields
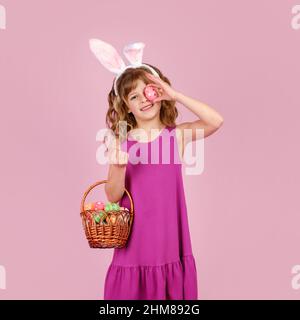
x=240 y=57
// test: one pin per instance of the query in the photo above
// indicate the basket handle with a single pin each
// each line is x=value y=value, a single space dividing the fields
x=98 y=183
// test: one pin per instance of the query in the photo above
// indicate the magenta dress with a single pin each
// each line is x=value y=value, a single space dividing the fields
x=157 y=262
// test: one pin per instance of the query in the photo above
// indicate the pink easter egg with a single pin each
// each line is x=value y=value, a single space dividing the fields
x=87 y=215
x=99 y=205
x=150 y=93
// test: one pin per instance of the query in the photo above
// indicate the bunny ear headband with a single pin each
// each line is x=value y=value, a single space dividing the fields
x=111 y=60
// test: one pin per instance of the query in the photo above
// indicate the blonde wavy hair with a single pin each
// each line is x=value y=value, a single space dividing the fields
x=118 y=105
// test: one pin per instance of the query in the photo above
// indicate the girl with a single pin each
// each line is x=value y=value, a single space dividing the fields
x=157 y=262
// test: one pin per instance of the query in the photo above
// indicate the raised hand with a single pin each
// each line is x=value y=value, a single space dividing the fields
x=116 y=156
x=164 y=90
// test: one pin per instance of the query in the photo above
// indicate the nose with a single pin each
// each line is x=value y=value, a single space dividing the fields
x=144 y=99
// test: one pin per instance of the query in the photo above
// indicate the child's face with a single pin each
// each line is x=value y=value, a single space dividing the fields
x=137 y=100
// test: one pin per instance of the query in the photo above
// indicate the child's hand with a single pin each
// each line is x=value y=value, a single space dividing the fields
x=117 y=157
x=164 y=90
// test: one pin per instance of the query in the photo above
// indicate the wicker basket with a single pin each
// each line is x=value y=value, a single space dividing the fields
x=111 y=232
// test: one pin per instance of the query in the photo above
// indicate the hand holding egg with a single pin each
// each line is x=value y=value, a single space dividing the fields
x=164 y=90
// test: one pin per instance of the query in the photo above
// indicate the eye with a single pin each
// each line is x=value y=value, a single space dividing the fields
x=132 y=97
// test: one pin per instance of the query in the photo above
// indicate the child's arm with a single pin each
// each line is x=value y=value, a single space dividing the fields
x=210 y=120
x=115 y=185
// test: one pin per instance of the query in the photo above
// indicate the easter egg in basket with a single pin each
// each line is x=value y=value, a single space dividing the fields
x=89 y=216
x=97 y=218
x=88 y=206
x=113 y=218
x=102 y=214
x=108 y=207
x=99 y=205
x=115 y=206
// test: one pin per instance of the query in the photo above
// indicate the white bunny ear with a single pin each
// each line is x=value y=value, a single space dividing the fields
x=134 y=52
x=107 y=55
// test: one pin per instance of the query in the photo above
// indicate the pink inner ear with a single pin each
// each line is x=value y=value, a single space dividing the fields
x=117 y=61
x=134 y=55
x=110 y=58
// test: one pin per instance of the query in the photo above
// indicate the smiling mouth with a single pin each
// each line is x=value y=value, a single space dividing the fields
x=147 y=107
